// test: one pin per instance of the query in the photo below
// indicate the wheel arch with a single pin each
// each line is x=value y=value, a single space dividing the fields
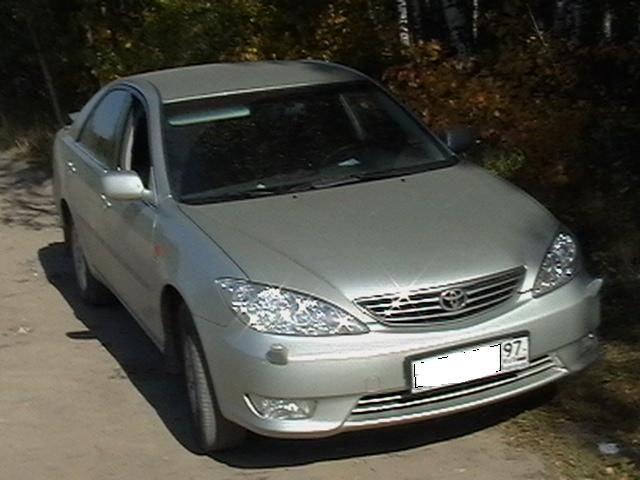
x=170 y=301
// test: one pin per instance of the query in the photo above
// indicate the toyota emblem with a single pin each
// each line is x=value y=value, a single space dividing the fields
x=453 y=299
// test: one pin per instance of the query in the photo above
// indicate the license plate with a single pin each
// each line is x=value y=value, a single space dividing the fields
x=473 y=363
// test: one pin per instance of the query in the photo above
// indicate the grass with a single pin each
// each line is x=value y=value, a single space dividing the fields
x=602 y=405
x=568 y=451
x=33 y=143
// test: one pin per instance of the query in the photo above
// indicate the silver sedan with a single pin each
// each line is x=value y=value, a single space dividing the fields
x=311 y=256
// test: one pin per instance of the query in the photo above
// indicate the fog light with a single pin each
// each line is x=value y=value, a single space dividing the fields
x=282 y=408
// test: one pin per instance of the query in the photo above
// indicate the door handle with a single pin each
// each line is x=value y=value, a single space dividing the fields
x=105 y=201
x=71 y=167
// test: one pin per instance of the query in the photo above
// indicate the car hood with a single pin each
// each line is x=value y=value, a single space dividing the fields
x=363 y=239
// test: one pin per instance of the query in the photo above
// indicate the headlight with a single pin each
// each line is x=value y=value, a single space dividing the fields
x=275 y=310
x=559 y=265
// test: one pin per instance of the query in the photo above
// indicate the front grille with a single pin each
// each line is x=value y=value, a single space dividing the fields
x=425 y=305
x=397 y=401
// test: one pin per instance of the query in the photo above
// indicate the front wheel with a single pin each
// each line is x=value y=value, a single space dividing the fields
x=214 y=432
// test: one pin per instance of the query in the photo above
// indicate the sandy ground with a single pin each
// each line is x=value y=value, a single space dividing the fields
x=83 y=394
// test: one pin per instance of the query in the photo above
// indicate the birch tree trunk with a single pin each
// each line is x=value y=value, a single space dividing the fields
x=457 y=24
x=475 y=18
x=607 y=22
x=403 y=13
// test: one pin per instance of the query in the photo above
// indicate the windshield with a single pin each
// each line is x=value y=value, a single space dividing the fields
x=290 y=140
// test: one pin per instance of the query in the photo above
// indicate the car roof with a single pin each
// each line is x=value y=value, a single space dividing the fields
x=201 y=81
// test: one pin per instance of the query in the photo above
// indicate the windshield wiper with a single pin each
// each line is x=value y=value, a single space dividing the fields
x=258 y=191
x=372 y=175
x=262 y=190
x=335 y=181
x=209 y=197
x=400 y=171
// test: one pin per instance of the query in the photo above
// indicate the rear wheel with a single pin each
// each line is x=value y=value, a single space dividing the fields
x=213 y=431
x=91 y=289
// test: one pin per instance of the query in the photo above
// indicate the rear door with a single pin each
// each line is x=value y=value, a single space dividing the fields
x=97 y=151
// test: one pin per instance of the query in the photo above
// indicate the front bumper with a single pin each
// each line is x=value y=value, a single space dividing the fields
x=360 y=381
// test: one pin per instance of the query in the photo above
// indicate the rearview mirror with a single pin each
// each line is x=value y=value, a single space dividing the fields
x=460 y=139
x=125 y=186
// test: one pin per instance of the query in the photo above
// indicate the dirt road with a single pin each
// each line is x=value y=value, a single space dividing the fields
x=83 y=394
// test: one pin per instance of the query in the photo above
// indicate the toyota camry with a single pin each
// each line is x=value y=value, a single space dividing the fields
x=310 y=256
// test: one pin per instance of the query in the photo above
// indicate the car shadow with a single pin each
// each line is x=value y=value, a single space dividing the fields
x=138 y=358
x=141 y=363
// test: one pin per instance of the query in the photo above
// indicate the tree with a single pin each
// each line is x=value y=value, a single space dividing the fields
x=457 y=24
x=31 y=22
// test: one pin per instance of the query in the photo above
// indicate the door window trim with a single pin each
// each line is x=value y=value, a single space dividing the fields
x=152 y=185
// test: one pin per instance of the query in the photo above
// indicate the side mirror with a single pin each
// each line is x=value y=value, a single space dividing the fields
x=125 y=186
x=69 y=118
x=460 y=139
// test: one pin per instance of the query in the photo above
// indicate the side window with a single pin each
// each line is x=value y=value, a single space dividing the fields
x=101 y=133
x=137 y=152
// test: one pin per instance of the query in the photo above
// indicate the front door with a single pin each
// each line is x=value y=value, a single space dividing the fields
x=131 y=228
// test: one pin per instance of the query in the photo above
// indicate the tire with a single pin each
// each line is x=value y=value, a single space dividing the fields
x=213 y=431
x=92 y=291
